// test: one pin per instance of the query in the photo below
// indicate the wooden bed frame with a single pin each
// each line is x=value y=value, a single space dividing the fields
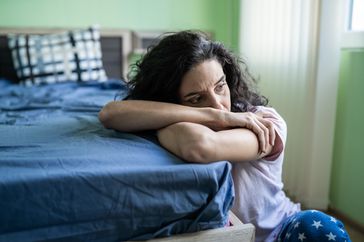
x=235 y=233
x=116 y=45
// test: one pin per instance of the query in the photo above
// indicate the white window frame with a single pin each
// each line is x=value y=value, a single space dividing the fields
x=350 y=39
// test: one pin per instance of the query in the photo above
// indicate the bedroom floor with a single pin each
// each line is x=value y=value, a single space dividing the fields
x=355 y=235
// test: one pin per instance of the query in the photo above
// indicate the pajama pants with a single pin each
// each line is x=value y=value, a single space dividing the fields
x=312 y=225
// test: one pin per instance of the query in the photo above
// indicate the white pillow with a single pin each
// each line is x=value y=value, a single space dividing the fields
x=70 y=56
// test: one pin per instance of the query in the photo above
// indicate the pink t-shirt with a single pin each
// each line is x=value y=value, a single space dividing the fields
x=260 y=199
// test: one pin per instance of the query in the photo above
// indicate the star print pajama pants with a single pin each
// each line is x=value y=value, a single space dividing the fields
x=312 y=225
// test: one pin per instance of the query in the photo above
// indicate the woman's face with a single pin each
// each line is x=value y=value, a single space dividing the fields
x=205 y=86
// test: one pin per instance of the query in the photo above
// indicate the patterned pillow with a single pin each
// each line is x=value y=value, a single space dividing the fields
x=70 y=56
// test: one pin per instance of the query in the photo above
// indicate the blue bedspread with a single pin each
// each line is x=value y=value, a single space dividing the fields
x=63 y=177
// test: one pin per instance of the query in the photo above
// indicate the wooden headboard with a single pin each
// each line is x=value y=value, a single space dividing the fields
x=116 y=47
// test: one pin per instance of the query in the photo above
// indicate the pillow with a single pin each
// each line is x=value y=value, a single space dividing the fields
x=70 y=56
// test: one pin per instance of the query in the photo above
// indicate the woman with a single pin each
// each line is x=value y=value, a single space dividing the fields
x=203 y=103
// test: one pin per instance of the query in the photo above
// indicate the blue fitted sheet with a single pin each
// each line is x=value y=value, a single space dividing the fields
x=63 y=177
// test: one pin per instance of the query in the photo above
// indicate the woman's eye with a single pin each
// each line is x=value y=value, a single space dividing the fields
x=220 y=87
x=195 y=100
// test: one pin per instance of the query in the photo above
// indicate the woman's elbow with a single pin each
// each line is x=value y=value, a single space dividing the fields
x=191 y=142
x=105 y=115
x=200 y=150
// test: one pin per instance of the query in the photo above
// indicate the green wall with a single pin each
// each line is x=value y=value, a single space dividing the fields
x=217 y=16
x=347 y=188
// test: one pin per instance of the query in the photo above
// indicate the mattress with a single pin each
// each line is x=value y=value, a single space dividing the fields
x=64 y=177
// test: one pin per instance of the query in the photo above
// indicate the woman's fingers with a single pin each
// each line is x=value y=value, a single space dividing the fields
x=253 y=122
x=259 y=124
x=258 y=129
x=264 y=118
x=269 y=125
x=264 y=137
x=262 y=127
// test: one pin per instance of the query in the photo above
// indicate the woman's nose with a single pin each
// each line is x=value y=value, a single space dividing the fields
x=215 y=102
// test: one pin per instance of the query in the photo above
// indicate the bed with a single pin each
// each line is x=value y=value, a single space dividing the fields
x=64 y=177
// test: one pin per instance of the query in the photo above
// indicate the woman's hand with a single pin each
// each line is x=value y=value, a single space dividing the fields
x=256 y=122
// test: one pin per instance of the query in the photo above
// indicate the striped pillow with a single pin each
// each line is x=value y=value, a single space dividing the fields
x=70 y=56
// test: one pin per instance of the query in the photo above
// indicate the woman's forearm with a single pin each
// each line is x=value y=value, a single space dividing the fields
x=197 y=143
x=138 y=115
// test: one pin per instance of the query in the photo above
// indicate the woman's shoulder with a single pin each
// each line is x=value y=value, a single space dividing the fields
x=264 y=109
x=272 y=111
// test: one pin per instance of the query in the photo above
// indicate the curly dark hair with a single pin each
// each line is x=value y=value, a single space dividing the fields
x=158 y=74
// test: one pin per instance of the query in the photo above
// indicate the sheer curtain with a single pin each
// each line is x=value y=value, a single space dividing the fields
x=281 y=42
